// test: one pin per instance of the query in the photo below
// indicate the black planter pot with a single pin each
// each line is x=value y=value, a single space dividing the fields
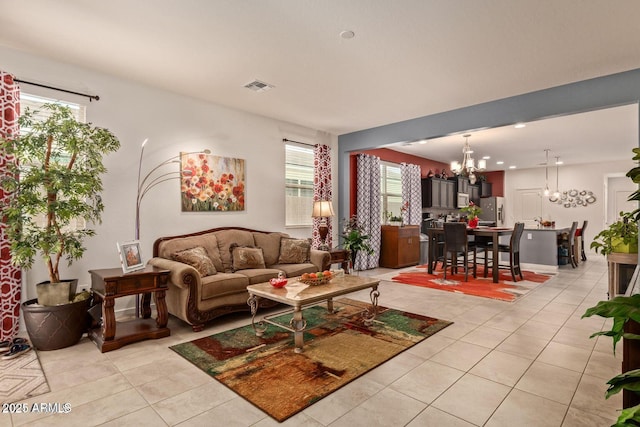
x=55 y=327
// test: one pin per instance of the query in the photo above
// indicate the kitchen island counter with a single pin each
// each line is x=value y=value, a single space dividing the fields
x=539 y=246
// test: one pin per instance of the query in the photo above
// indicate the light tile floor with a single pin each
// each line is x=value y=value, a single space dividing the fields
x=527 y=363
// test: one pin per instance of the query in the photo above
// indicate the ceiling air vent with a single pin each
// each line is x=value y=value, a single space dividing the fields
x=258 y=86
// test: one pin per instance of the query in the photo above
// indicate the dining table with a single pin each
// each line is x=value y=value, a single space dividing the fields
x=494 y=233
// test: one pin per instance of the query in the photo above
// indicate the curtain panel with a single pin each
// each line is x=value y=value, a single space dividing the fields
x=10 y=276
x=321 y=189
x=411 y=194
x=369 y=209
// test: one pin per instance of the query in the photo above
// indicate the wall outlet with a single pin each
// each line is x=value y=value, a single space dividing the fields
x=83 y=287
x=529 y=236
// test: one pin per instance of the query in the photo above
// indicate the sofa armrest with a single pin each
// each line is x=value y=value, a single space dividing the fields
x=182 y=275
x=321 y=259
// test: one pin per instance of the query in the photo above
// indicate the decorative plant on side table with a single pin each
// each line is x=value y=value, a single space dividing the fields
x=621 y=236
x=354 y=239
x=54 y=184
x=472 y=212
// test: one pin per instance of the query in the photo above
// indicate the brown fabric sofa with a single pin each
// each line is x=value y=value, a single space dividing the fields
x=205 y=284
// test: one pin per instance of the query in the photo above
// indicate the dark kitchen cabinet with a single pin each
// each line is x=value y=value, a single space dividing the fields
x=485 y=189
x=438 y=193
x=474 y=194
x=461 y=184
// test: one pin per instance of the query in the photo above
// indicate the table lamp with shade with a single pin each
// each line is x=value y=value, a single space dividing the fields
x=323 y=209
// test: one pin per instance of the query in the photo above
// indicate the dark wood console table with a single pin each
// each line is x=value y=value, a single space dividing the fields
x=111 y=283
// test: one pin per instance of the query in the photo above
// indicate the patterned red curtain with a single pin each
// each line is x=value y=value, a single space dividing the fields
x=10 y=276
x=321 y=188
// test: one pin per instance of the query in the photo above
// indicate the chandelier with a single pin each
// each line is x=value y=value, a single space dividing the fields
x=468 y=166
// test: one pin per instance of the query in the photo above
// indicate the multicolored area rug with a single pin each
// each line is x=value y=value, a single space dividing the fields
x=21 y=378
x=506 y=289
x=338 y=348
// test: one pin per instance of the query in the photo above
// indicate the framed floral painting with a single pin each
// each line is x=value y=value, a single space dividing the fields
x=211 y=183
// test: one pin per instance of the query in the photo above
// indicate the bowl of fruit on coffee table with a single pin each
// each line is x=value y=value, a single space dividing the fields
x=314 y=279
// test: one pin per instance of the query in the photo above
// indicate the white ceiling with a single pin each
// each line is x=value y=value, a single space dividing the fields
x=597 y=136
x=409 y=58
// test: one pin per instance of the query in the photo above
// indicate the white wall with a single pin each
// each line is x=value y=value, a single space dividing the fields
x=172 y=123
x=589 y=177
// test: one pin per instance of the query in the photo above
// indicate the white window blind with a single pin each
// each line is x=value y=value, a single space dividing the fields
x=35 y=103
x=390 y=188
x=299 y=185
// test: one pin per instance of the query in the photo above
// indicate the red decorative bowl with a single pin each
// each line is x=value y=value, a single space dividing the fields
x=278 y=283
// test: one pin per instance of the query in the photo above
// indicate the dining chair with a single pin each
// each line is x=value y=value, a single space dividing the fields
x=567 y=241
x=580 y=233
x=438 y=249
x=456 y=244
x=513 y=249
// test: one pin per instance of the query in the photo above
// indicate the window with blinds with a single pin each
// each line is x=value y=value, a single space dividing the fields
x=35 y=103
x=390 y=188
x=299 y=185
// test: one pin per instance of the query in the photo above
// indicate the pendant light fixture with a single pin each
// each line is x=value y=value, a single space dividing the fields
x=556 y=193
x=468 y=166
x=546 y=171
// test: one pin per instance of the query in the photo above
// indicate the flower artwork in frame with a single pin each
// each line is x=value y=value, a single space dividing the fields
x=130 y=256
x=211 y=183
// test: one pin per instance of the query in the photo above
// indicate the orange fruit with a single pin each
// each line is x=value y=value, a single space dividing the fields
x=326 y=273
x=313 y=276
x=305 y=276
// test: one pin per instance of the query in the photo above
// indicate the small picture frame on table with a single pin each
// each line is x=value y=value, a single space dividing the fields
x=130 y=256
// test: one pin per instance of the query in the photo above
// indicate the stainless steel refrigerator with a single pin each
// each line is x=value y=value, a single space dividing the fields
x=492 y=210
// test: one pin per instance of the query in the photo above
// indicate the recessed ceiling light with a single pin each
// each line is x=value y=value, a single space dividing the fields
x=347 y=34
x=499 y=162
x=486 y=157
x=519 y=125
x=512 y=167
x=424 y=141
x=559 y=162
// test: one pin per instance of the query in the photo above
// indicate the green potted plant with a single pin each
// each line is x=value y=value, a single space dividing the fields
x=472 y=211
x=354 y=239
x=54 y=184
x=621 y=236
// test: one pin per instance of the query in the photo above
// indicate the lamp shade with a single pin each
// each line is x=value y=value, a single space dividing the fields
x=322 y=208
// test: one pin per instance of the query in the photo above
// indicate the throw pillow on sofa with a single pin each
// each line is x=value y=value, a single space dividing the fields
x=197 y=258
x=245 y=257
x=294 y=251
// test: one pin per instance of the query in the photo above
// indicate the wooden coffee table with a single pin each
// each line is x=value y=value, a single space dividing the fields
x=299 y=295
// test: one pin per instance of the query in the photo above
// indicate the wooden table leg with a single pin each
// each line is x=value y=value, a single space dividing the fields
x=431 y=251
x=146 y=305
x=108 y=319
x=161 y=308
x=496 y=258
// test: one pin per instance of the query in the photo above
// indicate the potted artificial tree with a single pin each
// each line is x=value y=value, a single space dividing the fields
x=54 y=184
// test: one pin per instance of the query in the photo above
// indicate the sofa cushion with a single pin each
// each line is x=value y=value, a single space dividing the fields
x=207 y=241
x=294 y=251
x=223 y=284
x=244 y=257
x=228 y=237
x=259 y=275
x=197 y=258
x=270 y=244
